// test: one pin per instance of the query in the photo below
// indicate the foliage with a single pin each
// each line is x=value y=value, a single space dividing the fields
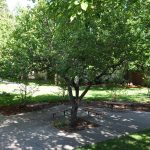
x=26 y=92
x=105 y=32
x=116 y=91
x=147 y=82
x=63 y=86
x=116 y=84
x=61 y=124
x=6 y=28
x=8 y=99
x=140 y=25
x=95 y=94
x=81 y=41
x=5 y=24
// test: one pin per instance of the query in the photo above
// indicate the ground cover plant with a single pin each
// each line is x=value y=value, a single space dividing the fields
x=82 y=124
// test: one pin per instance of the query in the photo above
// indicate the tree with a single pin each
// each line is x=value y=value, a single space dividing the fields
x=6 y=27
x=92 y=39
x=140 y=23
x=81 y=41
x=29 y=42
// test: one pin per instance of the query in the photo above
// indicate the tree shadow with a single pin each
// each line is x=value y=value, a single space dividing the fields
x=133 y=142
x=34 y=130
x=48 y=98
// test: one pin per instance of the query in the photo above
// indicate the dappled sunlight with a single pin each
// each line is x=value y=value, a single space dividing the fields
x=137 y=141
x=35 y=129
x=9 y=121
x=133 y=127
x=14 y=145
x=41 y=90
x=54 y=90
x=9 y=87
x=44 y=92
x=96 y=92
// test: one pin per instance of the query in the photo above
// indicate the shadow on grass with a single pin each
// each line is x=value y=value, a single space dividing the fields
x=48 y=98
x=96 y=88
x=14 y=99
x=139 y=97
x=97 y=97
x=137 y=141
x=107 y=88
x=8 y=99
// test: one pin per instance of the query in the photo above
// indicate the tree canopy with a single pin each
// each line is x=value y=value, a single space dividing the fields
x=81 y=41
x=6 y=28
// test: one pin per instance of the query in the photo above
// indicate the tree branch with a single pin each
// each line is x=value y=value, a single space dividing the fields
x=69 y=88
x=85 y=91
x=99 y=76
x=108 y=67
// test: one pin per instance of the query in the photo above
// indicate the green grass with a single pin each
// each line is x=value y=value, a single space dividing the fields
x=8 y=99
x=48 y=98
x=123 y=94
x=9 y=96
x=14 y=99
x=136 y=141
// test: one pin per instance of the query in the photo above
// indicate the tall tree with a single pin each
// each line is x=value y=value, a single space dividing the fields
x=6 y=27
x=81 y=41
x=140 y=28
x=91 y=40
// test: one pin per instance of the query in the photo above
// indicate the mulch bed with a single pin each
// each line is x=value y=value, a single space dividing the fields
x=82 y=124
x=16 y=109
x=121 y=105
x=12 y=110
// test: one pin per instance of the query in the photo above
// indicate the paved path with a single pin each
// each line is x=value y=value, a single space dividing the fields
x=33 y=131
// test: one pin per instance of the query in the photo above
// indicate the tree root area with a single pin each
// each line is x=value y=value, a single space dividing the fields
x=82 y=124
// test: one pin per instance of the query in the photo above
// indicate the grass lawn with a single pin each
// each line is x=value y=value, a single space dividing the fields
x=45 y=93
x=120 y=94
x=136 y=141
x=14 y=99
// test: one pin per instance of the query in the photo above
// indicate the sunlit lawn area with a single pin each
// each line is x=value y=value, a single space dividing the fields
x=44 y=93
x=122 y=94
x=136 y=141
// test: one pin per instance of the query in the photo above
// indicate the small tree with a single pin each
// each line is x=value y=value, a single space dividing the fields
x=26 y=91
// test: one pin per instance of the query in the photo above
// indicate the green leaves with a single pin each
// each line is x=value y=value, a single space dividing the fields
x=69 y=37
x=76 y=2
x=6 y=27
x=84 y=5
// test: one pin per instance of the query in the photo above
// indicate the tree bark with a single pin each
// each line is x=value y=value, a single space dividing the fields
x=74 y=111
x=85 y=91
x=74 y=102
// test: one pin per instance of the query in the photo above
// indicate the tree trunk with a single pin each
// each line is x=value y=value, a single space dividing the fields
x=75 y=100
x=56 y=79
x=74 y=110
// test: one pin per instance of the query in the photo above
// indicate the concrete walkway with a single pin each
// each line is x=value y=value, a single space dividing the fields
x=34 y=131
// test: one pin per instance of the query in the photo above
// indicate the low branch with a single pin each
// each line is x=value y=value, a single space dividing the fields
x=106 y=69
x=99 y=76
x=85 y=91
